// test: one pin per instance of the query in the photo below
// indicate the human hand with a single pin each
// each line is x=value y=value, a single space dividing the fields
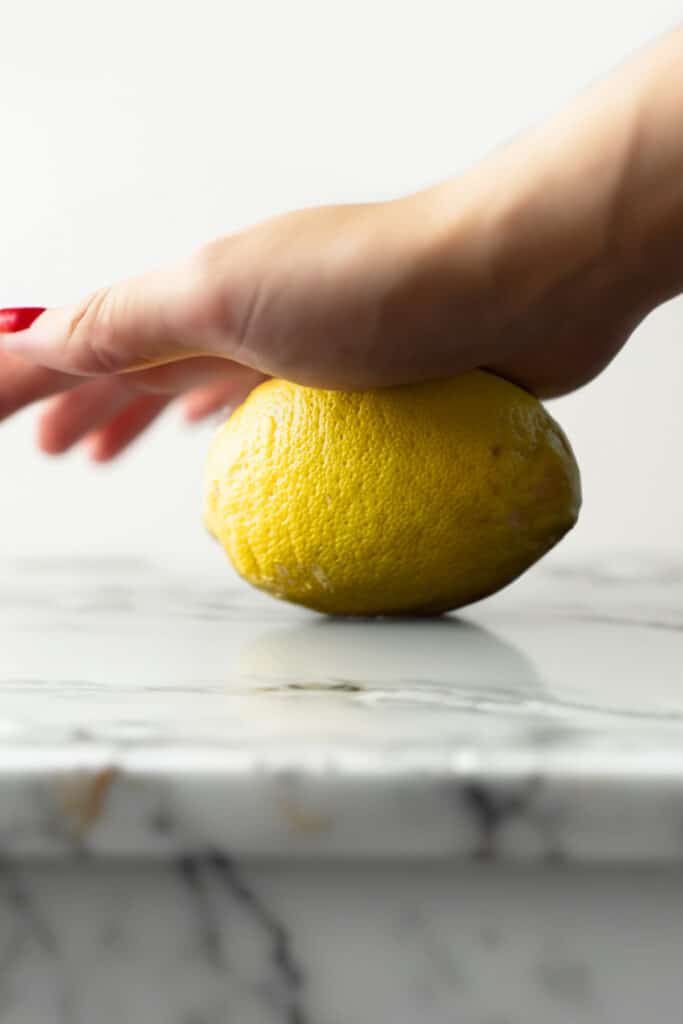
x=340 y=297
x=536 y=264
x=115 y=360
x=318 y=266
x=110 y=412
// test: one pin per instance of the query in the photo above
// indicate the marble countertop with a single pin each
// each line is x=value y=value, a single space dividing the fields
x=149 y=711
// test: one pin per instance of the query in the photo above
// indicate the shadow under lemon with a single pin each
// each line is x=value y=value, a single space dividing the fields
x=416 y=660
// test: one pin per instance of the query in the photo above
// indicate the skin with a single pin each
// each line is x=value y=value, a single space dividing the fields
x=538 y=264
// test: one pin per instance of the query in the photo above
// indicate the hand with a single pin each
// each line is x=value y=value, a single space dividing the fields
x=536 y=264
x=340 y=297
x=172 y=320
x=111 y=411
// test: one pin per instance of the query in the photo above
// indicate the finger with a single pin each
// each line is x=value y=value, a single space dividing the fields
x=68 y=418
x=145 y=321
x=12 y=320
x=109 y=441
x=22 y=383
x=173 y=378
x=202 y=402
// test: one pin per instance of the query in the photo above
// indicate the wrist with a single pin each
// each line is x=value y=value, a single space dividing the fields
x=651 y=195
x=611 y=174
x=541 y=230
x=500 y=256
x=446 y=296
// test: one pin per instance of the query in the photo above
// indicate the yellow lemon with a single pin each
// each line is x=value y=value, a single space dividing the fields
x=416 y=499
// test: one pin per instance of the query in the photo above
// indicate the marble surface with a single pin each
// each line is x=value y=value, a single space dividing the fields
x=152 y=712
x=211 y=940
x=215 y=807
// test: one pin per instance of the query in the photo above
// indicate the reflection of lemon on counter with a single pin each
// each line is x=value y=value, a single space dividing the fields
x=416 y=499
x=427 y=662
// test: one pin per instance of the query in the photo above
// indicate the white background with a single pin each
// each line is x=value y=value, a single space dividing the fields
x=133 y=131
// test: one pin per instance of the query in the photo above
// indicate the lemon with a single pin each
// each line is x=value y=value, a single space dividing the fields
x=409 y=500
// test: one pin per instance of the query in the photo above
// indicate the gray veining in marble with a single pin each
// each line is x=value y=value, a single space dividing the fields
x=148 y=711
x=207 y=940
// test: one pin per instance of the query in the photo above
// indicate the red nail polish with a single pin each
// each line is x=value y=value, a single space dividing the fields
x=13 y=320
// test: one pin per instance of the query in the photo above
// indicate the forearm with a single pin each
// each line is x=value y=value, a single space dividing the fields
x=591 y=202
x=536 y=264
x=651 y=193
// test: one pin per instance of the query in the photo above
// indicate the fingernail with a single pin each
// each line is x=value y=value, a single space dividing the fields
x=14 y=320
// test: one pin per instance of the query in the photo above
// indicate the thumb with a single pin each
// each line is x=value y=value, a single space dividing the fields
x=159 y=317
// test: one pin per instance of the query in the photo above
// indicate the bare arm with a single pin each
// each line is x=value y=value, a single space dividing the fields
x=537 y=263
x=579 y=225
